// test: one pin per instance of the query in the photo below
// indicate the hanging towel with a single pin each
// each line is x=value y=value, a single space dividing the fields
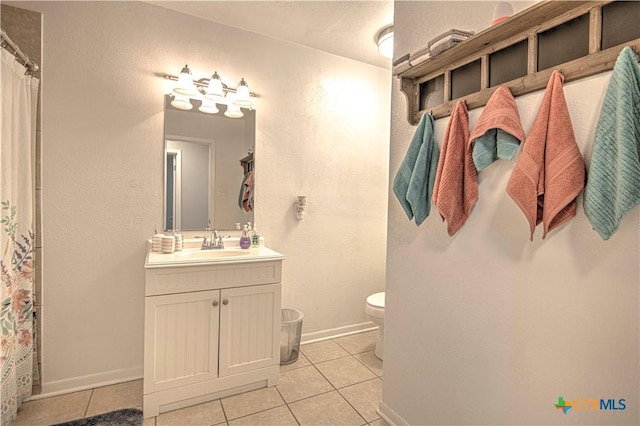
x=456 y=187
x=413 y=184
x=613 y=187
x=550 y=171
x=245 y=198
x=498 y=132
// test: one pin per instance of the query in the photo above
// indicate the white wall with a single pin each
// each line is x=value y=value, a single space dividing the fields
x=322 y=131
x=487 y=327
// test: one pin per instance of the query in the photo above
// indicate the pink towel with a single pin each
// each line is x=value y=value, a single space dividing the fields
x=550 y=172
x=247 y=195
x=456 y=186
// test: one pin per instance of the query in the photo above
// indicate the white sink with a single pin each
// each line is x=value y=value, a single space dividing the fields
x=211 y=254
x=195 y=256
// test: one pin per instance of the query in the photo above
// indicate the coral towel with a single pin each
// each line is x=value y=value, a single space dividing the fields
x=550 y=172
x=498 y=132
x=456 y=186
x=613 y=188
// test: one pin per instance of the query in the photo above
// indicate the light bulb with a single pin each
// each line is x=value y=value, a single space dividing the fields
x=185 y=84
x=215 y=90
x=208 y=107
x=243 y=97
x=233 y=110
x=181 y=102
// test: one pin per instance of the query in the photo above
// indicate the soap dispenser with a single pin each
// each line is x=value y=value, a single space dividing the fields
x=255 y=237
x=245 y=242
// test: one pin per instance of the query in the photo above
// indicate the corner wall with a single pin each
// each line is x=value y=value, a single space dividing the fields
x=322 y=131
x=487 y=327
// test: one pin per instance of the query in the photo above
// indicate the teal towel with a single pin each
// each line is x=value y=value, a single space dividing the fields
x=494 y=144
x=613 y=187
x=413 y=184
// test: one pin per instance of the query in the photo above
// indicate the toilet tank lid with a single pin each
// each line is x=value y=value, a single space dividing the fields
x=376 y=300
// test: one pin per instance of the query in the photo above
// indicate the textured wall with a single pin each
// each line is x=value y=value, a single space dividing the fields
x=494 y=328
x=322 y=131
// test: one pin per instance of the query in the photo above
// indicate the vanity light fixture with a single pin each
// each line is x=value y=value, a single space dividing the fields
x=384 y=39
x=209 y=91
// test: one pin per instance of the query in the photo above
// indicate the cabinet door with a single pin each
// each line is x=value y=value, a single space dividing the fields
x=181 y=339
x=249 y=328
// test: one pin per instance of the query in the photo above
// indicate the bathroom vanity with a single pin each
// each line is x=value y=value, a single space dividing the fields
x=212 y=325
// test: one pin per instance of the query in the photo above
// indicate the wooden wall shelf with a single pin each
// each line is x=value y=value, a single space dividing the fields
x=247 y=163
x=524 y=26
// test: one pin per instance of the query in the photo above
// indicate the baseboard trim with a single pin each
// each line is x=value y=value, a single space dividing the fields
x=390 y=416
x=332 y=333
x=90 y=381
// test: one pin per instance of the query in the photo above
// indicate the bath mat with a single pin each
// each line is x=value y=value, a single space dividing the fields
x=124 y=417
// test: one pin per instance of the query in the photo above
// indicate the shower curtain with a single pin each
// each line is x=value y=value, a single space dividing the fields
x=18 y=98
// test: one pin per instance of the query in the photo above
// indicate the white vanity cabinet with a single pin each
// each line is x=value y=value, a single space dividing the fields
x=212 y=329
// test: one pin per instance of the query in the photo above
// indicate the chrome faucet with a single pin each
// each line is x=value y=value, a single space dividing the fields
x=214 y=243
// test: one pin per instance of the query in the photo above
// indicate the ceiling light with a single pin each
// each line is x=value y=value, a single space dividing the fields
x=385 y=41
x=185 y=84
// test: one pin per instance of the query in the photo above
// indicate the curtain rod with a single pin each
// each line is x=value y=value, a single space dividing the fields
x=6 y=40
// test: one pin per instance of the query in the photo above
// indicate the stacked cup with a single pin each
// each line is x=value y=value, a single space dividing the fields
x=179 y=241
x=156 y=243
x=168 y=244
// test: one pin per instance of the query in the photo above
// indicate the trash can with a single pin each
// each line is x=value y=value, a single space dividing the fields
x=290 y=332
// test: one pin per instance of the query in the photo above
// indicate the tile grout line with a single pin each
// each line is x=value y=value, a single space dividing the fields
x=86 y=409
x=260 y=411
x=287 y=405
x=224 y=412
x=376 y=377
x=365 y=365
x=358 y=361
x=336 y=389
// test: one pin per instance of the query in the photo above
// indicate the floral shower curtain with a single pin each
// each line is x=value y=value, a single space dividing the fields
x=18 y=98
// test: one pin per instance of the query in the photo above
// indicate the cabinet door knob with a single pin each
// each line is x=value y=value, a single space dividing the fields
x=225 y=302
x=215 y=303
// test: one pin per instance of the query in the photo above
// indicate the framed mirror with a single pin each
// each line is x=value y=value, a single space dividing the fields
x=209 y=163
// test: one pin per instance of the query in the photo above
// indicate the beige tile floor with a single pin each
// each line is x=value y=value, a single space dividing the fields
x=334 y=382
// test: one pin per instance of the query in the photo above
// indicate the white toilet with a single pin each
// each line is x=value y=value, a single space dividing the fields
x=375 y=309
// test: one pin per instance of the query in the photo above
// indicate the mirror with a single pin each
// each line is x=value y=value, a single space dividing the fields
x=207 y=157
